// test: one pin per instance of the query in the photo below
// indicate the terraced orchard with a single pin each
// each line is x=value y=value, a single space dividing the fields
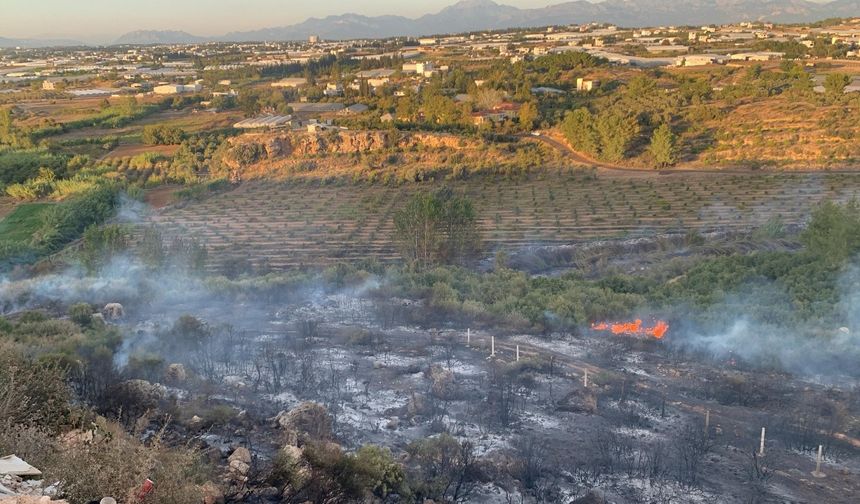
x=287 y=225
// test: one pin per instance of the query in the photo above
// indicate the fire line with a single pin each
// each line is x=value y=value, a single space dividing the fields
x=635 y=328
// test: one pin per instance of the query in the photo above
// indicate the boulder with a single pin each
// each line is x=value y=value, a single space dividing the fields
x=175 y=373
x=417 y=406
x=578 y=401
x=113 y=311
x=210 y=493
x=442 y=381
x=307 y=420
x=241 y=454
x=239 y=468
x=592 y=497
x=77 y=437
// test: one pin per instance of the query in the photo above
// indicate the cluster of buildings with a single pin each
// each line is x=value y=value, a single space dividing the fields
x=409 y=63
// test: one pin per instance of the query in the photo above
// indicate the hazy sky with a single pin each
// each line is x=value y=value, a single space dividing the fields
x=104 y=20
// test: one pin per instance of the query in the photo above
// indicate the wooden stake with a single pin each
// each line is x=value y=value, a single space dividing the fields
x=585 y=379
x=492 y=346
x=707 y=420
x=761 y=444
x=623 y=386
x=518 y=353
x=663 y=406
x=469 y=336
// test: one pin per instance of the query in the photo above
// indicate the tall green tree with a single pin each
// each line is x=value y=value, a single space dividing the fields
x=437 y=227
x=616 y=132
x=835 y=84
x=833 y=233
x=578 y=128
x=528 y=115
x=663 y=147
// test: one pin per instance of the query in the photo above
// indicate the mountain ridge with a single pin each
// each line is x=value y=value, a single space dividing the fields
x=478 y=15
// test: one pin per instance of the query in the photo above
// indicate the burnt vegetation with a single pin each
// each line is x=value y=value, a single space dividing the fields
x=428 y=382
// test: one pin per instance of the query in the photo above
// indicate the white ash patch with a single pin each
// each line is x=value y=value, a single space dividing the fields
x=464 y=368
x=635 y=371
x=647 y=412
x=285 y=398
x=827 y=460
x=633 y=358
x=360 y=420
x=176 y=392
x=400 y=361
x=484 y=442
x=336 y=357
x=490 y=493
x=566 y=348
x=376 y=400
x=540 y=419
x=662 y=490
x=235 y=381
x=638 y=433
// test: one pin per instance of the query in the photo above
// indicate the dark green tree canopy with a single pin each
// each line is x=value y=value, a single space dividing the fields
x=438 y=227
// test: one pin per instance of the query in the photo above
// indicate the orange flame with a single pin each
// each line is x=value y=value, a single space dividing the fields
x=635 y=328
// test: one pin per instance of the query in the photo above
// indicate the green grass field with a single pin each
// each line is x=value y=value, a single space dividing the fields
x=22 y=222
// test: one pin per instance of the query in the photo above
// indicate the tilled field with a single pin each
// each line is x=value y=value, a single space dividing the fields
x=288 y=225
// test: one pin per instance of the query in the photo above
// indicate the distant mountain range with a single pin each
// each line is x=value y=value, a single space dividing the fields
x=476 y=15
x=146 y=37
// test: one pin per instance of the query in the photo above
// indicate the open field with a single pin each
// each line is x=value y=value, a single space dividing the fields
x=131 y=150
x=7 y=204
x=291 y=225
x=188 y=121
x=20 y=224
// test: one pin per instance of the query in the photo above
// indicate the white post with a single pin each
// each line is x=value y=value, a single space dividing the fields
x=707 y=420
x=492 y=346
x=817 y=473
x=585 y=379
x=761 y=444
x=468 y=336
x=818 y=460
x=518 y=353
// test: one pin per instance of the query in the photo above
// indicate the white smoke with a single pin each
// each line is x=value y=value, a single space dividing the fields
x=738 y=328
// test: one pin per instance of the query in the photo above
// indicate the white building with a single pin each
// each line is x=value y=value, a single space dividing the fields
x=290 y=82
x=169 y=89
x=586 y=84
x=333 y=89
x=700 y=60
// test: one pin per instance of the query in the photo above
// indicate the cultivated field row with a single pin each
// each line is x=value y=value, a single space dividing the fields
x=294 y=225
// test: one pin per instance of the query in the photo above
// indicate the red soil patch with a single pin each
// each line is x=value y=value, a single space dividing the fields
x=161 y=196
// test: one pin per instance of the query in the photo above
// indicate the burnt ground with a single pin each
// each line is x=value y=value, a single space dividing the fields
x=637 y=433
